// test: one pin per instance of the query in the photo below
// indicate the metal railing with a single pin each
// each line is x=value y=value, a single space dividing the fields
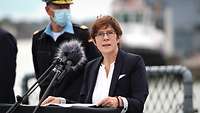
x=170 y=89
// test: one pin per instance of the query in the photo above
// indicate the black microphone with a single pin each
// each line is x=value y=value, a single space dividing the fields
x=71 y=53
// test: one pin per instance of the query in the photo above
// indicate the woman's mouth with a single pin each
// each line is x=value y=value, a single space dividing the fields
x=106 y=45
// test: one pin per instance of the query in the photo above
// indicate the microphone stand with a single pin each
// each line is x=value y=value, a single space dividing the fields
x=58 y=71
x=40 y=80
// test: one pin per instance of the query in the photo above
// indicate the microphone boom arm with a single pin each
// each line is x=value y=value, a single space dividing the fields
x=58 y=71
x=20 y=99
x=40 y=80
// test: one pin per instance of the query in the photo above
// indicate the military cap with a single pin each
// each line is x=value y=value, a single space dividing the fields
x=59 y=1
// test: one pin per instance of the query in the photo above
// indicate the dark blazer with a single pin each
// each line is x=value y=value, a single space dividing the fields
x=44 y=49
x=8 y=53
x=128 y=80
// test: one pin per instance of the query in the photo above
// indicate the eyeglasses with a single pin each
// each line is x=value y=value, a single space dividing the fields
x=108 y=33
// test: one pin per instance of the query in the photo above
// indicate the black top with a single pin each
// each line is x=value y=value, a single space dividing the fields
x=8 y=49
x=44 y=49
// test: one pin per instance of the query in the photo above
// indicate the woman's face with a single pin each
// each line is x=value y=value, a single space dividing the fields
x=106 y=40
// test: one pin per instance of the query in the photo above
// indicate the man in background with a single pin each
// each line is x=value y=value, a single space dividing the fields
x=8 y=54
x=46 y=42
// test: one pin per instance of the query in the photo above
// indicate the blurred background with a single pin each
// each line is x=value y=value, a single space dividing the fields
x=163 y=32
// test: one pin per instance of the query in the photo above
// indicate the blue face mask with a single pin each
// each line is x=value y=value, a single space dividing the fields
x=62 y=17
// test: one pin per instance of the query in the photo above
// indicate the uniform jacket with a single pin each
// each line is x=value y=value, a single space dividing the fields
x=44 y=49
x=8 y=50
x=128 y=80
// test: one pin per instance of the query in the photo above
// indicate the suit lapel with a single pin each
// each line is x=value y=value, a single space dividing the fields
x=94 y=73
x=116 y=73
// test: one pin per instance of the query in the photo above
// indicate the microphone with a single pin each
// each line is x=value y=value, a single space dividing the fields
x=71 y=56
x=71 y=53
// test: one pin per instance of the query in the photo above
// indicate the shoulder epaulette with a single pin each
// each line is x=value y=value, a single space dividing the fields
x=36 y=32
x=80 y=26
x=90 y=40
x=83 y=27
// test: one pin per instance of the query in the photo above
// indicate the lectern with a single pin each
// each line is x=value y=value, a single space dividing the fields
x=57 y=109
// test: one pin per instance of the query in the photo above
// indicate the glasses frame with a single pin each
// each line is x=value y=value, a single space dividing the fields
x=109 y=34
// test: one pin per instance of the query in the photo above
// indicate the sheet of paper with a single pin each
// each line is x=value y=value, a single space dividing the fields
x=76 y=104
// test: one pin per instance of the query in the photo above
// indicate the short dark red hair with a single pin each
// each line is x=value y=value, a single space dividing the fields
x=104 y=22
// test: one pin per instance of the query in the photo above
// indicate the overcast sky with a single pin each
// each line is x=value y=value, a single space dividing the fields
x=34 y=9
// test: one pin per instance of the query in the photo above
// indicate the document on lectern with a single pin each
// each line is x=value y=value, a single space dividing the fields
x=76 y=105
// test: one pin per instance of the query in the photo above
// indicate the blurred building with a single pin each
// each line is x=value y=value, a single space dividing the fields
x=186 y=23
x=140 y=36
x=185 y=16
x=170 y=27
x=22 y=29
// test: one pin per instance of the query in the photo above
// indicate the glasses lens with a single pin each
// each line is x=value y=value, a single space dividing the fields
x=108 y=33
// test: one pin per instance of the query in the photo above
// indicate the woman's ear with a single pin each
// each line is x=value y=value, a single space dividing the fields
x=118 y=39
